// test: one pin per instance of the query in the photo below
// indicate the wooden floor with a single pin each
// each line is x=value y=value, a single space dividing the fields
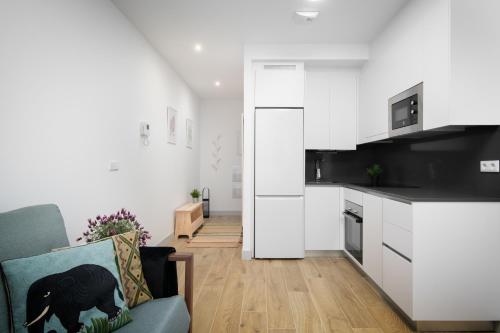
x=283 y=296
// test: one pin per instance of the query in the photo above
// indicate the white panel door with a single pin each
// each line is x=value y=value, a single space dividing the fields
x=317 y=110
x=279 y=227
x=372 y=237
x=279 y=85
x=322 y=223
x=279 y=152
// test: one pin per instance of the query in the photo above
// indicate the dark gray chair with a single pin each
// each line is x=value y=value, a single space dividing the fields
x=39 y=229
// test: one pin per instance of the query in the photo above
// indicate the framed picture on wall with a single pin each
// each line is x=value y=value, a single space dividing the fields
x=172 y=125
x=189 y=133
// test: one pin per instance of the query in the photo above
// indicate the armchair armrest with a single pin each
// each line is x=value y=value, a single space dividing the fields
x=188 y=258
x=160 y=271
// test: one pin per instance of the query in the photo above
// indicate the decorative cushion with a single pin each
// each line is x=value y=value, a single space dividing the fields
x=68 y=290
x=129 y=262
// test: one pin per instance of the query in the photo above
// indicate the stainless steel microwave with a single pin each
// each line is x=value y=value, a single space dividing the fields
x=405 y=111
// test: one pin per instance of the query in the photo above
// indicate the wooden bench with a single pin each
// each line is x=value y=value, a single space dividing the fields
x=188 y=218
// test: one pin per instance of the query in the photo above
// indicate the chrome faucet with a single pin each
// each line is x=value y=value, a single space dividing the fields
x=318 y=170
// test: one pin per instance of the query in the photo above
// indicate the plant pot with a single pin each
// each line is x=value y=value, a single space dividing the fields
x=375 y=180
x=195 y=200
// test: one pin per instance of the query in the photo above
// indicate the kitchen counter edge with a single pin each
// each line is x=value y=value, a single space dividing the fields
x=423 y=196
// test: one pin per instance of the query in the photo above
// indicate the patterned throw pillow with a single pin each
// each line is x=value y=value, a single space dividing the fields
x=129 y=262
x=77 y=289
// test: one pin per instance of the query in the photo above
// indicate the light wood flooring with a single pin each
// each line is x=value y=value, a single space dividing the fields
x=283 y=296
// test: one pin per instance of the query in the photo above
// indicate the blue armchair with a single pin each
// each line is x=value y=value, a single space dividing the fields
x=39 y=229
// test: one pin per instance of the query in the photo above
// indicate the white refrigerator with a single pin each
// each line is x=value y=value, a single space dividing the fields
x=279 y=183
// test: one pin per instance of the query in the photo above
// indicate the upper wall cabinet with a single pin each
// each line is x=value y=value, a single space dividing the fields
x=452 y=47
x=330 y=108
x=279 y=85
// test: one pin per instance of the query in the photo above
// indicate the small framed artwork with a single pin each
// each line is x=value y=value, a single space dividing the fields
x=172 y=125
x=189 y=133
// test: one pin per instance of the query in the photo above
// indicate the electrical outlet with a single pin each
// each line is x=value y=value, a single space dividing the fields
x=490 y=166
x=114 y=166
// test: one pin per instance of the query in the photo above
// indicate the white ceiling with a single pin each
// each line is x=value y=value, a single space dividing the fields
x=224 y=26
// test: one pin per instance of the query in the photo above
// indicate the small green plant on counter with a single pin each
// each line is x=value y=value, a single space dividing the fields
x=375 y=170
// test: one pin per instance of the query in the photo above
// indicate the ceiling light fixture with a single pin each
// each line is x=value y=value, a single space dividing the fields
x=309 y=16
x=198 y=47
x=217 y=83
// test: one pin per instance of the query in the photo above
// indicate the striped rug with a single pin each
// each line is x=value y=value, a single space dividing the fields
x=218 y=232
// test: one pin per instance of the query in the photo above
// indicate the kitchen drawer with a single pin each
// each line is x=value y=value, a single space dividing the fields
x=397 y=280
x=353 y=196
x=398 y=213
x=399 y=239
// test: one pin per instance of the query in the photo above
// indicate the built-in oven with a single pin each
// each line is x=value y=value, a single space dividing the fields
x=405 y=111
x=353 y=229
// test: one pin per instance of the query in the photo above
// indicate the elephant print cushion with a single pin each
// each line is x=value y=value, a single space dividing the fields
x=129 y=262
x=72 y=290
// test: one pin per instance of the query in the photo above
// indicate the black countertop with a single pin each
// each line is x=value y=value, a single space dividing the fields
x=409 y=194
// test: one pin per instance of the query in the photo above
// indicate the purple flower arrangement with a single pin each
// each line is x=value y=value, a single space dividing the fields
x=118 y=223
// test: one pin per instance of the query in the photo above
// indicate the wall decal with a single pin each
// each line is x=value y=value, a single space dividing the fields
x=189 y=133
x=216 y=148
x=172 y=125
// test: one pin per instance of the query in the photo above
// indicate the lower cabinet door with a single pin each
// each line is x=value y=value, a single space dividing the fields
x=397 y=280
x=322 y=224
x=372 y=237
x=279 y=227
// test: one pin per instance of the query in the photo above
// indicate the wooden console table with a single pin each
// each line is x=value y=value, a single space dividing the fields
x=188 y=218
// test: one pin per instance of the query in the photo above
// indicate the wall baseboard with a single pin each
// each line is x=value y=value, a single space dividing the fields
x=225 y=213
x=166 y=240
x=246 y=254
x=324 y=253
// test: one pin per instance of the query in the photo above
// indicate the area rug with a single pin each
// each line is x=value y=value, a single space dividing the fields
x=217 y=233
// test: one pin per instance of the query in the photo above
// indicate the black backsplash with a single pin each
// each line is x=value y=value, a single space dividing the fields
x=448 y=161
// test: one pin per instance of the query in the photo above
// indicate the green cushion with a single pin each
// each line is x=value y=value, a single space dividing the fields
x=27 y=232
x=62 y=290
x=159 y=316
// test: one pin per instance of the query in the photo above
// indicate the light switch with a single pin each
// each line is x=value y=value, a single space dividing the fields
x=490 y=166
x=114 y=166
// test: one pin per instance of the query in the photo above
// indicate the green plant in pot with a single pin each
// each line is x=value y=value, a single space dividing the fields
x=374 y=171
x=195 y=194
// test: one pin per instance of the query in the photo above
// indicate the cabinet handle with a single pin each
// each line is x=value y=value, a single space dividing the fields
x=397 y=252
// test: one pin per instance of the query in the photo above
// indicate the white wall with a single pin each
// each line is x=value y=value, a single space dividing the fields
x=76 y=79
x=220 y=118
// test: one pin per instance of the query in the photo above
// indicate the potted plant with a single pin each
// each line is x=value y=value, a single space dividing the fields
x=195 y=194
x=118 y=223
x=374 y=172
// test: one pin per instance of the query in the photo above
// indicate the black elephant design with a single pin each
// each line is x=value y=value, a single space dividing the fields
x=68 y=293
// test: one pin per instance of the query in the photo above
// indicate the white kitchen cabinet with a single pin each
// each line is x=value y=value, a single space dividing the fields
x=397 y=280
x=372 y=237
x=353 y=196
x=279 y=227
x=318 y=110
x=322 y=218
x=429 y=254
x=279 y=152
x=330 y=103
x=450 y=46
x=279 y=85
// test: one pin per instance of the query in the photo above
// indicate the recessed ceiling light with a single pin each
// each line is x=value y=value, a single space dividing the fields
x=198 y=47
x=217 y=83
x=309 y=16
